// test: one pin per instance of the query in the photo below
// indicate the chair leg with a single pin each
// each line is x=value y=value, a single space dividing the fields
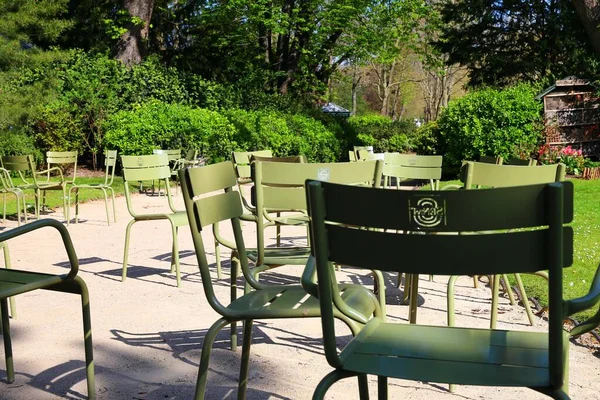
x=382 y=387
x=126 y=252
x=65 y=212
x=450 y=299
x=509 y=291
x=524 y=299
x=245 y=367
x=8 y=265
x=328 y=381
x=10 y=369
x=87 y=338
x=112 y=193
x=495 y=295
x=363 y=387
x=24 y=207
x=218 y=257
x=106 y=205
x=209 y=339
x=235 y=267
x=414 y=299
x=175 y=256
x=4 y=212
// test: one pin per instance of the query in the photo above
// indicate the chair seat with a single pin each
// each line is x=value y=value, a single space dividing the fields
x=450 y=355
x=178 y=218
x=296 y=219
x=13 y=282
x=294 y=302
x=282 y=255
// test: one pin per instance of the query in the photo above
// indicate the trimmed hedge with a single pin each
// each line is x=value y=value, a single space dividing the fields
x=383 y=133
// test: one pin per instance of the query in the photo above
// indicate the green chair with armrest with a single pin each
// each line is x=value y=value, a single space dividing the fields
x=487 y=357
x=155 y=168
x=279 y=187
x=14 y=282
x=475 y=175
x=209 y=199
x=58 y=162
x=110 y=162
x=8 y=187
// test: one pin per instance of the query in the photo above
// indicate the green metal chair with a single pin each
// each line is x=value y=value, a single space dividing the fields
x=155 y=168
x=493 y=175
x=25 y=167
x=8 y=187
x=209 y=199
x=538 y=360
x=279 y=187
x=110 y=162
x=58 y=161
x=14 y=282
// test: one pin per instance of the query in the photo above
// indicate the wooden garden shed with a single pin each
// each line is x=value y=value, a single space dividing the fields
x=572 y=115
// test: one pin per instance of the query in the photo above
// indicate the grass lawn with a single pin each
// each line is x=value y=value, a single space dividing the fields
x=577 y=279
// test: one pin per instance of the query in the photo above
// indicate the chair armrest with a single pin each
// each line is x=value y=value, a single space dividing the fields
x=586 y=302
x=47 y=171
x=309 y=277
x=66 y=238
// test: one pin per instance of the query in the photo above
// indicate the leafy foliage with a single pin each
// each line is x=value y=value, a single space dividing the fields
x=504 y=123
x=383 y=133
x=508 y=41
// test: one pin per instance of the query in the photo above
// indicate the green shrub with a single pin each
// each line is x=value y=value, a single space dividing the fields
x=505 y=123
x=425 y=139
x=383 y=133
x=156 y=125
x=17 y=143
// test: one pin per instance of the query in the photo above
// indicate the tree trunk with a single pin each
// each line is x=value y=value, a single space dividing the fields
x=132 y=45
x=355 y=81
x=589 y=14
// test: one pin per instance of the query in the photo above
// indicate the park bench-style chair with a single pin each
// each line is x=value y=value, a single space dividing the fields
x=174 y=157
x=151 y=168
x=476 y=175
x=110 y=162
x=59 y=162
x=488 y=357
x=8 y=187
x=209 y=199
x=14 y=282
x=25 y=167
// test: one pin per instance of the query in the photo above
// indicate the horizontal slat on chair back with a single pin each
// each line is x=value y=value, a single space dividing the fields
x=444 y=211
x=283 y=183
x=209 y=178
x=16 y=163
x=476 y=254
x=490 y=160
x=413 y=160
x=172 y=155
x=288 y=159
x=61 y=157
x=219 y=207
x=412 y=172
x=243 y=157
x=110 y=159
x=145 y=168
x=509 y=175
x=296 y=174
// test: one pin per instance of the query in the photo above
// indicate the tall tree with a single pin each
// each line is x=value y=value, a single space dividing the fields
x=589 y=14
x=505 y=41
x=132 y=46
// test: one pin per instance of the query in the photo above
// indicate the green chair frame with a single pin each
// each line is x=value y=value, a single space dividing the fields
x=25 y=167
x=475 y=175
x=279 y=187
x=14 y=282
x=110 y=163
x=487 y=357
x=209 y=199
x=154 y=168
x=8 y=187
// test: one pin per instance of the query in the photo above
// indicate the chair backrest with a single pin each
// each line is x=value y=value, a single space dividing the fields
x=280 y=186
x=145 y=168
x=493 y=175
x=6 y=180
x=338 y=236
x=241 y=162
x=490 y=159
x=110 y=163
x=209 y=199
x=288 y=159
x=519 y=161
x=351 y=156
x=362 y=155
x=172 y=155
x=412 y=166
x=23 y=165
x=63 y=159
